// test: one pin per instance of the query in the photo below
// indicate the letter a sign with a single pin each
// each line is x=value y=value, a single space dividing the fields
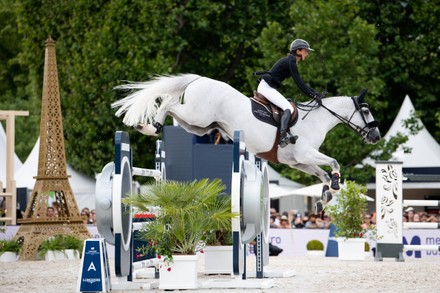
x=95 y=272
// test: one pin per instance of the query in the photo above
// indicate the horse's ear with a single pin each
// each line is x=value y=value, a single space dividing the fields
x=361 y=97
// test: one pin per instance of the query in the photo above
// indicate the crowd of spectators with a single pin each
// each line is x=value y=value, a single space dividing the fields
x=54 y=211
x=295 y=220
x=410 y=215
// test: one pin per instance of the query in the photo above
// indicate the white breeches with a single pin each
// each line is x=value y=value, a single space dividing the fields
x=274 y=96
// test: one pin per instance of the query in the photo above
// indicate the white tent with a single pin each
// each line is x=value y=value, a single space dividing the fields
x=83 y=187
x=17 y=162
x=425 y=149
x=315 y=190
x=280 y=186
x=425 y=154
x=281 y=189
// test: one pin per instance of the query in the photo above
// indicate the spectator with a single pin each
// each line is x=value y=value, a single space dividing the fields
x=410 y=213
x=272 y=222
x=273 y=212
x=56 y=208
x=298 y=223
x=405 y=218
x=416 y=218
x=432 y=219
x=326 y=222
x=92 y=218
x=312 y=222
x=284 y=223
x=367 y=222
x=50 y=212
x=85 y=213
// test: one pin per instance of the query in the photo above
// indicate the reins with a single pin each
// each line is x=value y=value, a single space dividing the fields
x=360 y=130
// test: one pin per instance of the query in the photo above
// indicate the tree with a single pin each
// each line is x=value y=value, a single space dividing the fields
x=14 y=86
x=408 y=32
x=101 y=43
x=344 y=62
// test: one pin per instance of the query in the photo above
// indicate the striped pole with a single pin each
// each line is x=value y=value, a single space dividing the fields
x=421 y=247
x=421 y=203
x=420 y=225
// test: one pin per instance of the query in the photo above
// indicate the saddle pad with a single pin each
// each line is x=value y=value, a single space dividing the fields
x=262 y=113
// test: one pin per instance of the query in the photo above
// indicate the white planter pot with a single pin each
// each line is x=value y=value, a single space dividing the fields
x=8 y=256
x=218 y=259
x=55 y=255
x=180 y=274
x=71 y=253
x=351 y=248
x=316 y=253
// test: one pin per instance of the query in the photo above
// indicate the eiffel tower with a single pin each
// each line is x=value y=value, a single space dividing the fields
x=52 y=184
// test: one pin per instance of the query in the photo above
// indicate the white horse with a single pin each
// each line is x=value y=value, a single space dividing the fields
x=200 y=104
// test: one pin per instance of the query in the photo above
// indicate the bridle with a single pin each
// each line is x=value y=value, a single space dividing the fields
x=359 y=108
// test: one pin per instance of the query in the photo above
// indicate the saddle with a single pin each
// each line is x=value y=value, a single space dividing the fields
x=267 y=112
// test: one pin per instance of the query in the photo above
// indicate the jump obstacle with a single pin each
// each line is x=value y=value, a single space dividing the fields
x=389 y=205
x=249 y=196
x=115 y=219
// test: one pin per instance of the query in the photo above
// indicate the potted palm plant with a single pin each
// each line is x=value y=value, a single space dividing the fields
x=9 y=249
x=315 y=248
x=347 y=214
x=187 y=213
x=218 y=250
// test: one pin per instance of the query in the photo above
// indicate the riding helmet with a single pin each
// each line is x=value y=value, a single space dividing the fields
x=299 y=44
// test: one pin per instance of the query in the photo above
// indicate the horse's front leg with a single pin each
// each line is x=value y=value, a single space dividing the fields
x=314 y=157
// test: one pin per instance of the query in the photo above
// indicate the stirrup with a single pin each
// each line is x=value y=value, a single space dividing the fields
x=287 y=138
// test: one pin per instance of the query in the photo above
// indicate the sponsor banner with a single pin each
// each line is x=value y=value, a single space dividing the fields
x=294 y=241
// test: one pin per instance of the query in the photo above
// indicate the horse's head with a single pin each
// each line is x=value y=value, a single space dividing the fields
x=363 y=121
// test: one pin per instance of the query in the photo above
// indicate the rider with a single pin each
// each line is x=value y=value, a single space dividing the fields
x=272 y=80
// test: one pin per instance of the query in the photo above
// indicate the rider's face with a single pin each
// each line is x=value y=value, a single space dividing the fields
x=301 y=54
x=304 y=53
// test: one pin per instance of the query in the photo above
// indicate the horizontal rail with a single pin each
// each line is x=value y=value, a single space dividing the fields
x=145 y=263
x=5 y=219
x=420 y=225
x=6 y=194
x=421 y=203
x=138 y=225
x=421 y=247
x=146 y=172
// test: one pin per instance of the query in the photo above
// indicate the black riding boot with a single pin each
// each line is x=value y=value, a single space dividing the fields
x=286 y=137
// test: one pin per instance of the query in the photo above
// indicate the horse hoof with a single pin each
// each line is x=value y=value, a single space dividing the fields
x=335 y=181
x=327 y=196
x=146 y=129
x=319 y=207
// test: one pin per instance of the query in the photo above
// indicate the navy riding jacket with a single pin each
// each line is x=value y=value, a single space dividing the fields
x=284 y=68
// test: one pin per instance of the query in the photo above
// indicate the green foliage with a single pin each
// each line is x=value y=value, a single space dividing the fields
x=389 y=47
x=60 y=242
x=11 y=245
x=188 y=213
x=315 y=245
x=348 y=213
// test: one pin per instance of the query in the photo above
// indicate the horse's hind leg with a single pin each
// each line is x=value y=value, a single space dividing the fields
x=156 y=127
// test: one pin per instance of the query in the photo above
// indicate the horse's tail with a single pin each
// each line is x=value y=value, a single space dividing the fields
x=145 y=97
